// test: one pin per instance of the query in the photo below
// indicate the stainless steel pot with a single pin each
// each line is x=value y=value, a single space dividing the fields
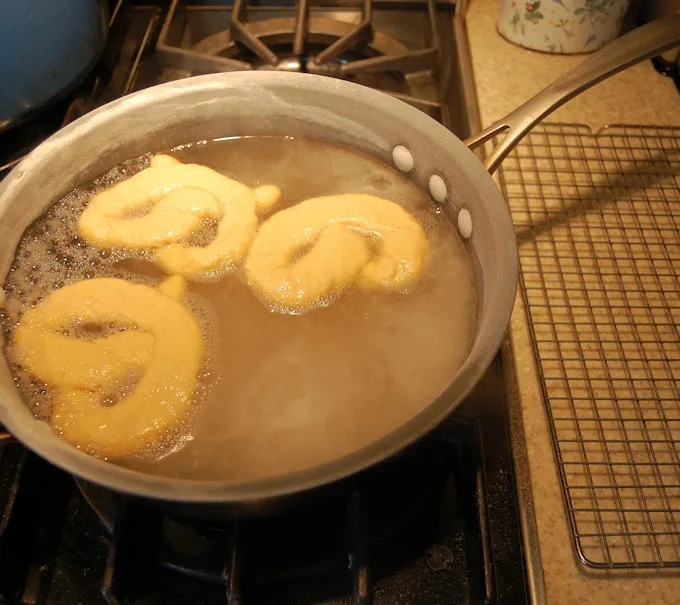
x=343 y=113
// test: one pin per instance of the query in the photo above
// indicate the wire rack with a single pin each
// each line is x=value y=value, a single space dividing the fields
x=597 y=219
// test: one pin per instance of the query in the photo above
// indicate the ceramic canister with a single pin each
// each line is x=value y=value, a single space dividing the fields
x=562 y=26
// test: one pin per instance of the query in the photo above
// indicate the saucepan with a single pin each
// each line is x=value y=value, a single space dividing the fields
x=345 y=114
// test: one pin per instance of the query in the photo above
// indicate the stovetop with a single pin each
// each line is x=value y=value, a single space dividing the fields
x=441 y=524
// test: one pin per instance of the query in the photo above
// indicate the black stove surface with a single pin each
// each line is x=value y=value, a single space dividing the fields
x=437 y=526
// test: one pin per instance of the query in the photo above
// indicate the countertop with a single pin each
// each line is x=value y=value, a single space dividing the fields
x=505 y=76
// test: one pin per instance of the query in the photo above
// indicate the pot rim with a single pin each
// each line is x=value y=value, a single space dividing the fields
x=47 y=444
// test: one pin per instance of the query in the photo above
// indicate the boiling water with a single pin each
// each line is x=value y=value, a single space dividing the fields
x=278 y=392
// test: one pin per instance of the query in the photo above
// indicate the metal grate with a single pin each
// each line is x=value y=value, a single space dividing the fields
x=597 y=219
x=291 y=43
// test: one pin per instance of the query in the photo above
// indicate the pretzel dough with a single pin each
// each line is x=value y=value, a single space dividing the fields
x=179 y=198
x=162 y=343
x=336 y=227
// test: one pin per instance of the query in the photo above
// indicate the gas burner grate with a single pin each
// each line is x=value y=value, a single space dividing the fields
x=346 y=40
x=369 y=528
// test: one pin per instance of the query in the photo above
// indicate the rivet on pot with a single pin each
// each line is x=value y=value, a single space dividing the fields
x=402 y=158
x=465 y=223
x=438 y=188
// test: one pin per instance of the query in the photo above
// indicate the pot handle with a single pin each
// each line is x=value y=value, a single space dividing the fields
x=642 y=43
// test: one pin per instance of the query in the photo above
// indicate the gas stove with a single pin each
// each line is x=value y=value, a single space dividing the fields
x=449 y=522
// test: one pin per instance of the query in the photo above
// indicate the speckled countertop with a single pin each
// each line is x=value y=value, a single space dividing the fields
x=505 y=76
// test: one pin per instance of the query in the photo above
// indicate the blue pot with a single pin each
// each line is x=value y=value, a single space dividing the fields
x=46 y=48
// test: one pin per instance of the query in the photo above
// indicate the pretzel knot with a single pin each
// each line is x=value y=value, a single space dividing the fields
x=151 y=364
x=161 y=206
x=304 y=255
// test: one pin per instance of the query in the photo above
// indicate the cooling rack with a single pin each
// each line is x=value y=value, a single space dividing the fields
x=597 y=220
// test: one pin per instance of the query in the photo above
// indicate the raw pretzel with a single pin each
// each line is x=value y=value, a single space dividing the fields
x=178 y=198
x=162 y=343
x=334 y=234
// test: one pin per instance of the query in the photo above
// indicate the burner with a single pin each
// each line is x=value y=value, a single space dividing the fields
x=395 y=507
x=278 y=34
x=417 y=521
x=341 y=42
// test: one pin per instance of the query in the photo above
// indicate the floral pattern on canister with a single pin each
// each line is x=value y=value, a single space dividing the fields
x=562 y=26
